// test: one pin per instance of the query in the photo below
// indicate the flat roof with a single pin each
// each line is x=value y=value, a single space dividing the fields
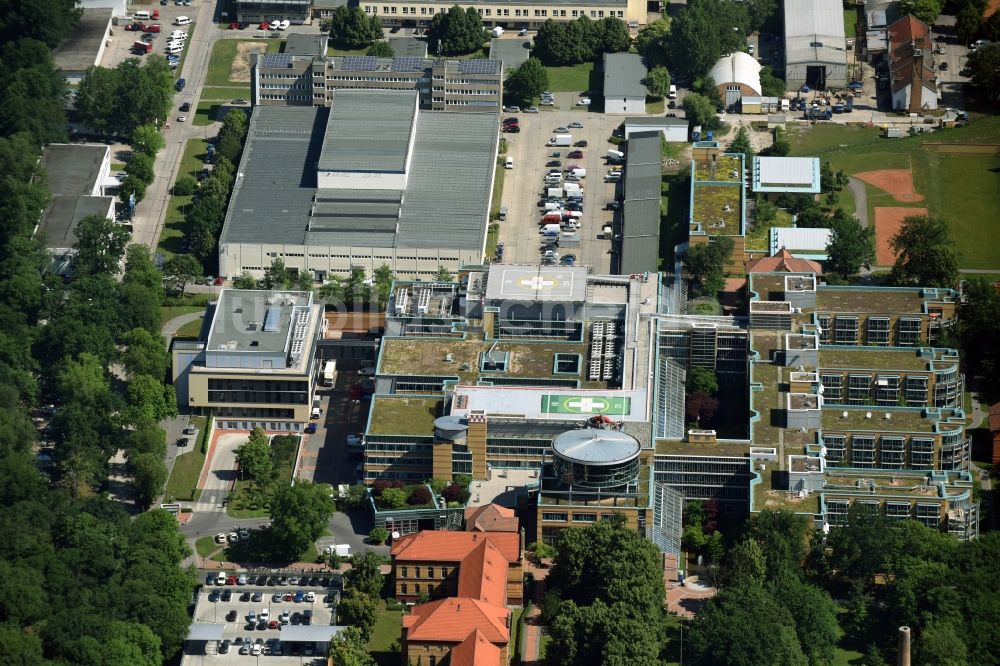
x=510 y=52
x=536 y=283
x=73 y=168
x=57 y=228
x=559 y=404
x=79 y=51
x=786 y=174
x=900 y=420
x=255 y=320
x=308 y=633
x=408 y=47
x=369 y=131
x=206 y=631
x=624 y=75
x=402 y=415
x=797 y=240
x=595 y=447
x=656 y=121
x=300 y=43
x=873 y=358
x=871 y=300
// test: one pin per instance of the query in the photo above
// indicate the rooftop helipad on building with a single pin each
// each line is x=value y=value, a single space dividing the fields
x=536 y=283
x=550 y=404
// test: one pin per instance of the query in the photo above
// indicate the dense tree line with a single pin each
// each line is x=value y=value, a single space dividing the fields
x=351 y=28
x=83 y=583
x=456 y=32
x=580 y=40
x=701 y=33
x=114 y=102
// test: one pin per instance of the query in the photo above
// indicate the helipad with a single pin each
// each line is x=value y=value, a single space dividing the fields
x=550 y=405
x=536 y=283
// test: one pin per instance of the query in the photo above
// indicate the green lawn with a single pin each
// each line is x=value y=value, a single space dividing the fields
x=223 y=54
x=183 y=482
x=964 y=189
x=283 y=468
x=190 y=329
x=575 y=78
x=207 y=547
x=759 y=237
x=172 y=235
x=169 y=312
x=386 y=632
x=498 y=177
x=655 y=106
x=850 y=21
x=492 y=236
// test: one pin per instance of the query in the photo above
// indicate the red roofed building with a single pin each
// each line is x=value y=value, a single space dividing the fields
x=432 y=562
x=476 y=650
x=490 y=518
x=911 y=67
x=783 y=262
x=432 y=630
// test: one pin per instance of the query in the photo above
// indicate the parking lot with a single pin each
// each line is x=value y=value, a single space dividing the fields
x=122 y=39
x=524 y=187
x=272 y=601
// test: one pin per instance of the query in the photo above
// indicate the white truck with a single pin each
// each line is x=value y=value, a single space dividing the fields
x=579 y=172
x=329 y=373
x=342 y=550
x=561 y=140
x=554 y=192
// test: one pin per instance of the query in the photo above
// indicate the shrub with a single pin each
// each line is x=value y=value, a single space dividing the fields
x=380 y=486
x=378 y=535
x=419 y=495
x=184 y=186
x=452 y=492
x=392 y=498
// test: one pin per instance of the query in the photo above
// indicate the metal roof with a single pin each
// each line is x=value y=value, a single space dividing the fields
x=204 y=631
x=738 y=67
x=814 y=32
x=309 y=633
x=797 y=240
x=656 y=121
x=640 y=243
x=643 y=148
x=624 y=75
x=591 y=446
x=80 y=49
x=369 y=130
x=786 y=174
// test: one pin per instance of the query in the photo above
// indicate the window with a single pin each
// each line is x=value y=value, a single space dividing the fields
x=833 y=388
x=404 y=572
x=563 y=517
x=416 y=589
x=430 y=572
x=846 y=331
x=823 y=321
x=878 y=331
x=402 y=588
x=416 y=572
x=909 y=332
x=921 y=453
x=584 y=517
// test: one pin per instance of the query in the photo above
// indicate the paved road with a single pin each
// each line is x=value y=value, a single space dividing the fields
x=151 y=211
x=857 y=188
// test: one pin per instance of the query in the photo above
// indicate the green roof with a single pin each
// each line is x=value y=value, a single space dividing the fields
x=902 y=420
x=872 y=358
x=672 y=447
x=854 y=299
x=766 y=497
x=396 y=415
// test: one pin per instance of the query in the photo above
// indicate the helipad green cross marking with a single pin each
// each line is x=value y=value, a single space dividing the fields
x=573 y=404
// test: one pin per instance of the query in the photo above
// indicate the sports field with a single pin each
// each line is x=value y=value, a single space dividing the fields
x=960 y=186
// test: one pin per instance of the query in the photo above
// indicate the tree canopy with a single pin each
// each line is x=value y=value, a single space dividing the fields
x=580 y=40
x=700 y=110
x=351 y=28
x=526 y=81
x=851 y=246
x=114 y=102
x=983 y=67
x=457 y=31
x=299 y=515
x=925 y=253
x=702 y=32
x=658 y=81
x=705 y=264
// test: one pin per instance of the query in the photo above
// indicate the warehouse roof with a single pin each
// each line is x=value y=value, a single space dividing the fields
x=656 y=121
x=786 y=174
x=738 y=67
x=814 y=32
x=624 y=75
x=81 y=49
x=640 y=242
x=72 y=168
x=448 y=176
x=369 y=130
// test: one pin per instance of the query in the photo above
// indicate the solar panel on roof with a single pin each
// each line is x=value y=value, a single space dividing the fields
x=275 y=60
x=408 y=64
x=358 y=63
x=478 y=66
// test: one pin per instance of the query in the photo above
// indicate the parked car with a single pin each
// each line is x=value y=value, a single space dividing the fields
x=575 y=125
x=214 y=596
x=554 y=163
x=257 y=596
x=583 y=102
x=183 y=441
x=310 y=429
x=512 y=109
x=220 y=538
x=231 y=616
x=531 y=109
x=512 y=129
x=560 y=130
x=226 y=596
x=224 y=645
x=581 y=144
x=575 y=155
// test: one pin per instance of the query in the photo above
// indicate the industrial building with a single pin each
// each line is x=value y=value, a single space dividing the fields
x=624 y=84
x=640 y=234
x=85 y=46
x=674 y=129
x=509 y=14
x=254 y=362
x=736 y=75
x=296 y=12
x=78 y=178
x=785 y=175
x=373 y=180
x=815 y=44
x=312 y=79
x=718 y=199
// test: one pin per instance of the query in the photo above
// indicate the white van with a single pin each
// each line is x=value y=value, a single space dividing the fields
x=576 y=195
x=178 y=34
x=552 y=205
x=549 y=230
x=509 y=164
x=175 y=49
x=141 y=15
x=673 y=90
x=221 y=578
x=572 y=187
x=182 y=20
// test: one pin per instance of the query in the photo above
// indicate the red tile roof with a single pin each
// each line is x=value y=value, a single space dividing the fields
x=783 y=262
x=443 y=546
x=483 y=575
x=475 y=650
x=907 y=29
x=490 y=518
x=451 y=620
x=905 y=35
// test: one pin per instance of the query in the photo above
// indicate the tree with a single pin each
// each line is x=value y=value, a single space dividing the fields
x=759 y=12
x=700 y=407
x=703 y=31
x=983 y=67
x=378 y=535
x=651 y=42
x=149 y=398
x=184 y=186
x=149 y=474
x=381 y=50
x=705 y=264
x=700 y=111
x=741 y=144
x=245 y=280
x=969 y=21
x=299 y=515
x=940 y=644
x=144 y=354
x=350 y=28
x=658 y=81
x=555 y=45
x=254 y=457
x=393 y=498
x=100 y=245
x=925 y=10
x=815 y=615
x=360 y=611
x=384 y=278
x=780 y=147
x=131 y=186
x=612 y=35
x=456 y=32
x=979 y=328
x=146 y=139
x=444 y=275
x=782 y=535
x=526 y=81
x=332 y=290
x=180 y=270
x=851 y=246
x=703 y=380
x=747 y=564
x=140 y=165
x=276 y=276
x=771 y=85
x=356 y=290
x=230 y=146
x=925 y=253
x=600 y=634
x=742 y=625
x=365 y=574
x=350 y=648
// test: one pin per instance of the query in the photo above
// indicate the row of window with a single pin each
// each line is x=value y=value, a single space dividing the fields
x=845 y=331
x=404 y=572
x=499 y=12
x=564 y=517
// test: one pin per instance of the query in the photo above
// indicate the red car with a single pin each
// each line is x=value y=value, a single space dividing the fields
x=156 y=14
x=234 y=26
x=265 y=26
x=273 y=624
x=230 y=580
x=288 y=597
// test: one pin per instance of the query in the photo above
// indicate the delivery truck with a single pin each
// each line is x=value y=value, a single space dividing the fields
x=142 y=47
x=579 y=172
x=561 y=140
x=554 y=192
x=329 y=373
